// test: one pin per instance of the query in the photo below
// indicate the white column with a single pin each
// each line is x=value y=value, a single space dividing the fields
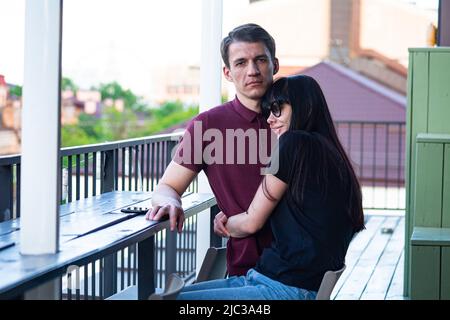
x=210 y=96
x=41 y=128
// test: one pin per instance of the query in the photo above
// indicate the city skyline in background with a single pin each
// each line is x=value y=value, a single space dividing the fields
x=129 y=42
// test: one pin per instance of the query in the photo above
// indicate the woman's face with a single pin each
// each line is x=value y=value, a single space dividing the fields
x=280 y=124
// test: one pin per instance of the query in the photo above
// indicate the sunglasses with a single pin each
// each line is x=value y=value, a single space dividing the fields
x=276 y=106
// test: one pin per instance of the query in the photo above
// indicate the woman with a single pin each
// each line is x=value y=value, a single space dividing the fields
x=311 y=195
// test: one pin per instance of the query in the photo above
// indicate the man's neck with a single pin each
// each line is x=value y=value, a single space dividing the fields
x=254 y=105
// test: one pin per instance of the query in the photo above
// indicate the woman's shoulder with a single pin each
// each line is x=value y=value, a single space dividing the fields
x=301 y=135
x=309 y=142
x=293 y=141
x=295 y=136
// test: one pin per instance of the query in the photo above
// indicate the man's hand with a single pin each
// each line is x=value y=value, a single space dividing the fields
x=166 y=199
x=175 y=213
x=219 y=225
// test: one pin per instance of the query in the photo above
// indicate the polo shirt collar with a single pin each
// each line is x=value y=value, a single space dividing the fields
x=244 y=112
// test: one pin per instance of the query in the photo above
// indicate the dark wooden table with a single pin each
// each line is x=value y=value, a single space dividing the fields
x=90 y=229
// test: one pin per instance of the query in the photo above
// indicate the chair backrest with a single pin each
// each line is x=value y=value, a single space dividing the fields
x=214 y=265
x=328 y=282
x=174 y=285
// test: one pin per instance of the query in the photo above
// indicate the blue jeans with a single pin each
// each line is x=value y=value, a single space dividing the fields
x=253 y=286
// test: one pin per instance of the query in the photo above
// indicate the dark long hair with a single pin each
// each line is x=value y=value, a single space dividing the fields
x=310 y=113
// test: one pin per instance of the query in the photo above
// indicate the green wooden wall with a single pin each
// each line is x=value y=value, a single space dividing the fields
x=430 y=241
x=428 y=112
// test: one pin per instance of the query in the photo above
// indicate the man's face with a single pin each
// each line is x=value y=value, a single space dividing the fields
x=251 y=70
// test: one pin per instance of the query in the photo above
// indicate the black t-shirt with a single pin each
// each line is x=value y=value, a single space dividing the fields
x=312 y=237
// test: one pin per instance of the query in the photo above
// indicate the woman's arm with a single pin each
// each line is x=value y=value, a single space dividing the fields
x=247 y=223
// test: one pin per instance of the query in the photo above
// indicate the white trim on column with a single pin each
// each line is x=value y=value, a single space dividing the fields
x=40 y=162
x=210 y=96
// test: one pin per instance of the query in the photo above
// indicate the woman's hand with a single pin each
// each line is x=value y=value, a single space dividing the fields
x=219 y=225
x=251 y=221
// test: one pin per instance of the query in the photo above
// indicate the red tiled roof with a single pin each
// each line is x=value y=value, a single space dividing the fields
x=354 y=97
x=2 y=80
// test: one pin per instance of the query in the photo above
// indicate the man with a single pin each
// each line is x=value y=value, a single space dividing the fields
x=248 y=53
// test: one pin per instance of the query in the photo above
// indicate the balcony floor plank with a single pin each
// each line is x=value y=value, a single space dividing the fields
x=374 y=262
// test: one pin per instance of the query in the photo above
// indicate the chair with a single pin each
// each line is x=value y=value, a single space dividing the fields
x=174 y=285
x=214 y=265
x=328 y=282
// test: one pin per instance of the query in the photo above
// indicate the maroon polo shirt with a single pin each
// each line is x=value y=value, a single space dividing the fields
x=221 y=141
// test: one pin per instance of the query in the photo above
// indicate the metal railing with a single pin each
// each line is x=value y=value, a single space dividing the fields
x=377 y=151
x=129 y=165
x=104 y=277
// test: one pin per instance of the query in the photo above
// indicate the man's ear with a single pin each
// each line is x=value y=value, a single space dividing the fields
x=227 y=73
x=276 y=66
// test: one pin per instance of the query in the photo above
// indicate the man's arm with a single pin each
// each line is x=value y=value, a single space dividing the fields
x=247 y=223
x=166 y=199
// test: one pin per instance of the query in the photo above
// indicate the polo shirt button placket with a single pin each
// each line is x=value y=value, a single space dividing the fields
x=260 y=122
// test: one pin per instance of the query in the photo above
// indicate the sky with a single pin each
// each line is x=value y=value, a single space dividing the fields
x=104 y=40
x=124 y=40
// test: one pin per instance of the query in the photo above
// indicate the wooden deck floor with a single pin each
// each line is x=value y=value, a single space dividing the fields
x=374 y=262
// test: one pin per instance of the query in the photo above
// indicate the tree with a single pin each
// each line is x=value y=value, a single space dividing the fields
x=159 y=122
x=73 y=135
x=15 y=91
x=91 y=125
x=168 y=108
x=68 y=84
x=117 y=125
x=114 y=91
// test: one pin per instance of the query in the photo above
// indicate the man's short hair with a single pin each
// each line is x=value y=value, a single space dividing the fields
x=247 y=33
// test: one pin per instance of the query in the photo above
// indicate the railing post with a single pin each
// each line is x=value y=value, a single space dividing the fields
x=50 y=290
x=146 y=265
x=170 y=145
x=171 y=236
x=171 y=252
x=110 y=275
x=215 y=240
x=108 y=177
x=6 y=192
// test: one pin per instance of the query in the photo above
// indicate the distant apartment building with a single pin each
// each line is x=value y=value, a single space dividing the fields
x=371 y=37
x=74 y=103
x=3 y=91
x=177 y=82
x=9 y=120
x=118 y=104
